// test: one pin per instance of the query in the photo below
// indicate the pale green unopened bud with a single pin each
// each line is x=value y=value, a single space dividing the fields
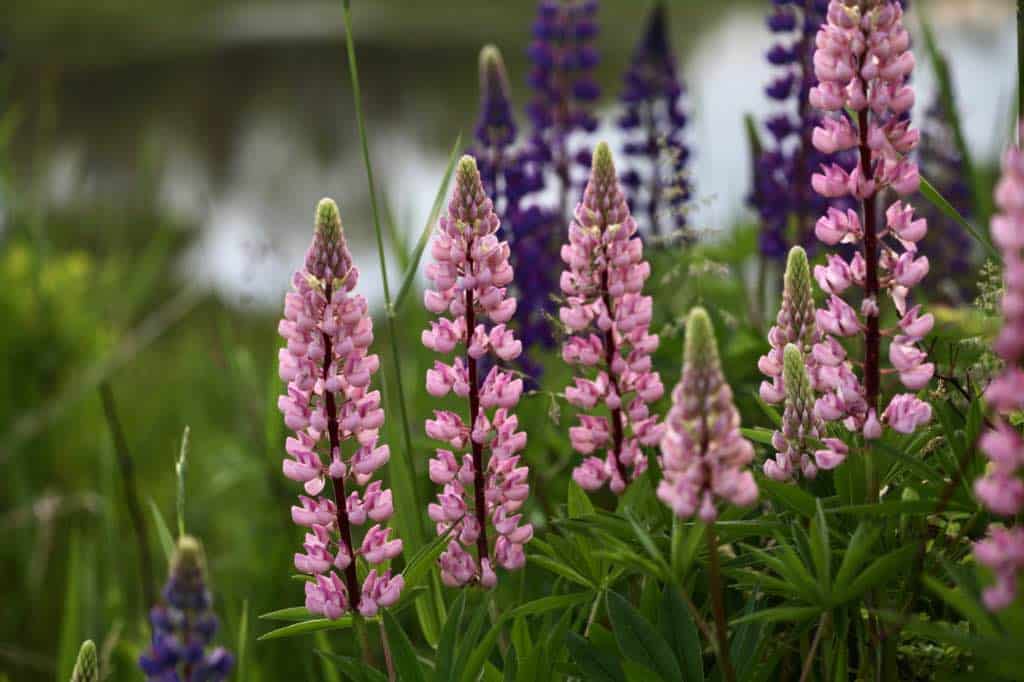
x=798 y=298
x=328 y=220
x=602 y=164
x=798 y=384
x=701 y=349
x=87 y=667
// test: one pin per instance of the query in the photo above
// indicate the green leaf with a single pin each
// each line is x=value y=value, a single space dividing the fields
x=242 y=648
x=418 y=566
x=639 y=641
x=578 y=501
x=856 y=554
x=676 y=624
x=293 y=614
x=938 y=201
x=598 y=664
x=180 y=469
x=759 y=435
x=894 y=508
x=561 y=569
x=820 y=549
x=407 y=666
x=552 y=603
x=409 y=278
x=353 y=668
x=779 y=613
x=790 y=496
x=963 y=602
x=309 y=626
x=445 y=660
x=163 y=533
x=883 y=568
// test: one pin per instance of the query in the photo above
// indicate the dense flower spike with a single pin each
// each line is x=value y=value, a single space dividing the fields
x=328 y=367
x=703 y=454
x=184 y=624
x=1001 y=488
x=794 y=324
x=470 y=276
x=608 y=319
x=862 y=63
x=654 y=122
x=782 y=183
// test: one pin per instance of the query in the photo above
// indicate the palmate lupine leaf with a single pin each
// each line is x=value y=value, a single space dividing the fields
x=407 y=666
x=676 y=625
x=639 y=641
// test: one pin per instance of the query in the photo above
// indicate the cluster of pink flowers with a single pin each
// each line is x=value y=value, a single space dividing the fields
x=703 y=454
x=1001 y=489
x=327 y=366
x=862 y=62
x=609 y=318
x=470 y=275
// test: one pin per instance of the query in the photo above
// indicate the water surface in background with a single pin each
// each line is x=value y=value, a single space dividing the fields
x=250 y=136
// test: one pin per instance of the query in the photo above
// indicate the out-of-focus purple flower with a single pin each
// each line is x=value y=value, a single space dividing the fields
x=654 y=122
x=184 y=624
x=608 y=320
x=704 y=456
x=782 y=191
x=950 y=249
x=470 y=274
x=328 y=367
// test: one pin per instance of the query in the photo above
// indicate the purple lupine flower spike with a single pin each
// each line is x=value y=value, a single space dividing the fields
x=654 y=121
x=1001 y=489
x=608 y=319
x=782 y=193
x=563 y=55
x=328 y=367
x=184 y=624
x=863 y=63
x=481 y=496
x=704 y=456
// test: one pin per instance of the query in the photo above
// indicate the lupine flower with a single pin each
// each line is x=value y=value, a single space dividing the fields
x=563 y=55
x=794 y=324
x=862 y=63
x=184 y=624
x=1001 y=488
x=328 y=367
x=782 y=193
x=87 y=665
x=703 y=454
x=608 y=319
x=654 y=121
x=950 y=249
x=470 y=276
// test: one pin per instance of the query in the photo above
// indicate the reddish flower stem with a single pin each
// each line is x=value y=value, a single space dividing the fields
x=474 y=409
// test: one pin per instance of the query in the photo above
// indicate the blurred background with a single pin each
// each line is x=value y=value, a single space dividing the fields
x=159 y=166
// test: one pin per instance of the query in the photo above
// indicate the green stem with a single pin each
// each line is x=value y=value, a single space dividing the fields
x=388 y=660
x=364 y=640
x=718 y=606
x=353 y=70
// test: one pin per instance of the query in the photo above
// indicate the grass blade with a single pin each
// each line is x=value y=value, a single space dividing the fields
x=163 y=533
x=180 y=468
x=938 y=201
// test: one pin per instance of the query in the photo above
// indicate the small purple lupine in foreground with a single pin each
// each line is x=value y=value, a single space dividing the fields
x=470 y=276
x=608 y=318
x=1001 y=489
x=782 y=194
x=795 y=326
x=862 y=63
x=328 y=402
x=654 y=122
x=184 y=624
x=704 y=457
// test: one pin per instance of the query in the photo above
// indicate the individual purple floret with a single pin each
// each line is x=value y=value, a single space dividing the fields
x=783 y=197
x=654 y=122
x=184 y=625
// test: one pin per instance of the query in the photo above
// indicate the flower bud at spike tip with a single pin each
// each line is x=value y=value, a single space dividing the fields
x=87 y=667
x=703 y=453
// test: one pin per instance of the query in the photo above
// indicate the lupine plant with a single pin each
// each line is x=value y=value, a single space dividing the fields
x=329 y=405
x=481 y=495
x=1001 y=489
x=608 y=319
x=654 y=120
x=184 y=624
x=862 y=62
